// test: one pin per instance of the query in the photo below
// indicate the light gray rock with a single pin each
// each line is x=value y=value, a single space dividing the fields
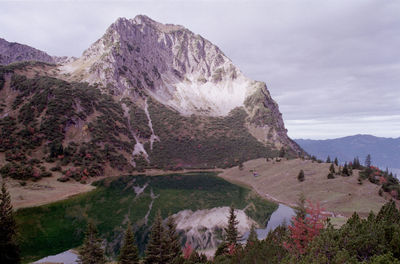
x=140 y=57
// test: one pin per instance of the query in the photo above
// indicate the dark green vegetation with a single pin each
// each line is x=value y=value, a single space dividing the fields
x=203 y=142
x=82 y=131
x=164 y=245
x=129 y=253
x=46 y=108
x=9 y=250
x=91 y=251
x=386 y=180
x=300 y=176
x=59 y=226
x=372 y=240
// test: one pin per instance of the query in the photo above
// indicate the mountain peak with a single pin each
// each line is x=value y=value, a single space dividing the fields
x=145 y=20
x=139 y=58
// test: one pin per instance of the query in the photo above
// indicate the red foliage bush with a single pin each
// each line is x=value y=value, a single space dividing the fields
x=303 y=231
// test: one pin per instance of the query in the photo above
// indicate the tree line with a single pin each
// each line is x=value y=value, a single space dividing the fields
x=309 y=238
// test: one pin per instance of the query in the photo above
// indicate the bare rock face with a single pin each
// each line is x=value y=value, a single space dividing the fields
x=140 y=57
x=14 y=52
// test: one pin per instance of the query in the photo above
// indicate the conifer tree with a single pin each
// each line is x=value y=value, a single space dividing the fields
x=231 y=231
x=368 y=161
x=328 y=159
x=9 y=250
x=171 y=240
x=336 y=162
x=129 y=253
x=300 y=177
x=155 y=253
x=356 y=163
x=91 y=251
x=345 y=171
x=332 y=169
x=252 y=235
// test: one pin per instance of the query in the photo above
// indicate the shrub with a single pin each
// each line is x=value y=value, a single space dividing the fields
x=300 y=176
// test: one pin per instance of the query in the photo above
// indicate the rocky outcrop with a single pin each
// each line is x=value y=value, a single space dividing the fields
x=140 y=57
x=14 y=52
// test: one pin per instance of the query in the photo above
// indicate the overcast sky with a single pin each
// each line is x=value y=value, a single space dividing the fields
x=332 y=66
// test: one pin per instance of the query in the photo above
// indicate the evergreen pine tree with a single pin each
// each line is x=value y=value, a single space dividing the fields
x=332 y=169
x=368 y=161
x=129 y=253
x=91 y=251
x=155 y=253
x=331 y=175
x=356 y=163
x=345 y=171
x=252 y=235
x=336 y=162
x=173 y=245
x=9 y=250
x=328 y=160
x=231 y=231
x=300 y=177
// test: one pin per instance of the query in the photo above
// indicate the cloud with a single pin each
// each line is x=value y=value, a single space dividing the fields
x=336 y=62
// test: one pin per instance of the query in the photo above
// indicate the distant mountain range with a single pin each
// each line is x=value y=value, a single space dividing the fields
x=385 y=152
x=11 y=52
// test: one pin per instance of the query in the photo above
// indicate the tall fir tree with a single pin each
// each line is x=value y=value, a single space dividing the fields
x=91 y=251
x=155 y=253
x=328 y=160
x=252 y=235
x=129 y=253
x=356 y=163
x=345 y=171
x=336 y=161
x=332 y=169
x=368 y=161
x=232 y=235
x=300 y=176
x=9 y=250
x=171 y=240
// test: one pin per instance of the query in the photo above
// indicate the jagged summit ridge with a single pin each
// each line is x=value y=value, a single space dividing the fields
x=174 y=65
x=140 y=57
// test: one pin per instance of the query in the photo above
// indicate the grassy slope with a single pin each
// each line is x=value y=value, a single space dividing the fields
x=55 y=227
x=278 y=180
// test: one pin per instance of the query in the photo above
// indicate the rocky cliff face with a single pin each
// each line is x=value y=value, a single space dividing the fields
x=13 y=52
x=140 y=58
x=145 y=95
